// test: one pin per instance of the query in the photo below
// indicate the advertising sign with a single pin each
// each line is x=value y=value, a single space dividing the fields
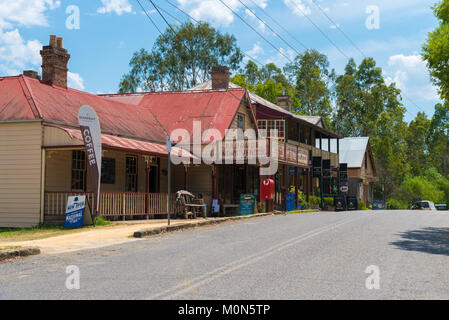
x=247 y=204
x=378 y=205
x=90 y=129
x=77 y=212
x=303 y=156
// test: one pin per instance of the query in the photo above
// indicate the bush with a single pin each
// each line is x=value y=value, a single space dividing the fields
x=394 y=204
x=329 y=202
x=314 y=200
x=361 y=205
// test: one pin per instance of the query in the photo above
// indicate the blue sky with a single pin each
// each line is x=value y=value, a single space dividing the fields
x=110 y=31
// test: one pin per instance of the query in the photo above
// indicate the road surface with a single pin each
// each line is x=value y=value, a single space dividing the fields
x=298 y=256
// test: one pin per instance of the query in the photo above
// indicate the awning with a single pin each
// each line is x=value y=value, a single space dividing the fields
x=132 y=144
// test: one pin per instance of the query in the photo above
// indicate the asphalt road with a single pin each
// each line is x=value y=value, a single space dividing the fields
x=308 y=256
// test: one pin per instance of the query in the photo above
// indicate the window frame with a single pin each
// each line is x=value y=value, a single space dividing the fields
x=82 y=159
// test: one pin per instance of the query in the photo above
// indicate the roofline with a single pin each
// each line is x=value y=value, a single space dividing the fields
x=167 y=92
x=77 y=127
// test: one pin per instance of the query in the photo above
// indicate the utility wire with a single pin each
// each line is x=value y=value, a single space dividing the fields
x=355 y=45
x=319 y=29
x=252 y=28
x=196 y=21
x=280 y=26
x=145 y=11
x=271 y=29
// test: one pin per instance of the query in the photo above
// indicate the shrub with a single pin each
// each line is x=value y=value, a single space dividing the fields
x=314 y=200
x=329 y=202
x=361 y=205
x=395 y=204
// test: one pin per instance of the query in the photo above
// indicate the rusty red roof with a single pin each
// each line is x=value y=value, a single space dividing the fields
x=148 y=116
x=215 y=109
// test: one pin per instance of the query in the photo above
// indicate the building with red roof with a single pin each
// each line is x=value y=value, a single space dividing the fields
x=42 y=157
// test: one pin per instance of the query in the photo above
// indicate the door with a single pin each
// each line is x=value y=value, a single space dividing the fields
x=152 y=179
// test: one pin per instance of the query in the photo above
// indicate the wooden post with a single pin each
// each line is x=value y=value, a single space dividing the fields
x=186 y=182
x=123 y=206
x=147 y=196
x=296 y=187
x=308 y=185
x=284 y=188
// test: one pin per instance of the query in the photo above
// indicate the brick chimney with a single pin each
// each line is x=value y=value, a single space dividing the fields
x=32 y=74
x=54 y=62
x=285 y=102
x=220 y=77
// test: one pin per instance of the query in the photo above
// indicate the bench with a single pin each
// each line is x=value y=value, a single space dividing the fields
x=188 y=206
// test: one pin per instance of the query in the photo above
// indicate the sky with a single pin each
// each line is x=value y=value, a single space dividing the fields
x=102 y=35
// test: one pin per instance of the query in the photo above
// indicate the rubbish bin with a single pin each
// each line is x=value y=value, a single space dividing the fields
x=340 y=203
x=351 y=202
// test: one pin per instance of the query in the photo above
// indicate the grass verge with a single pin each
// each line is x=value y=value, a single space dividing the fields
x=44 y=231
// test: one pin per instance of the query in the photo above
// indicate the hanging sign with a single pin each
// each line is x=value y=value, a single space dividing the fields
x=90 y=129
x=77 y=212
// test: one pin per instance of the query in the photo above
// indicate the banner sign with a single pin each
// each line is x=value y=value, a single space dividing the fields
x=303 y=156
x=90 y=129
x=77 y=212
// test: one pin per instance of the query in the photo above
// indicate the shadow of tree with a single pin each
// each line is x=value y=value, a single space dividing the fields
x=430 y=240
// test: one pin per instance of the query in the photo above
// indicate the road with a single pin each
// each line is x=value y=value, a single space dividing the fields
x=298 y=256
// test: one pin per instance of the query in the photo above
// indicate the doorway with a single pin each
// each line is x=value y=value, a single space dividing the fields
x=153 y=179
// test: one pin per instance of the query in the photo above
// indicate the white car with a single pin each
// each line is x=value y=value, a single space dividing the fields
x=424 y=205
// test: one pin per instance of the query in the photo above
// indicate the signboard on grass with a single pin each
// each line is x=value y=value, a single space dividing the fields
x=77 y=212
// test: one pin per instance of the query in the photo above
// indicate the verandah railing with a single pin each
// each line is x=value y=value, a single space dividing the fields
x=113 y=203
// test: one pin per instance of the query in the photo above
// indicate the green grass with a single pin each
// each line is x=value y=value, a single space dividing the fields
x=10 y=248
x=44 y=231
x=302 y=211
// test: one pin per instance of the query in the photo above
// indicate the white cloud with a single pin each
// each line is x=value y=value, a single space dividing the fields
x=75 y=81
x=117 y=6
x=411 y=75
x=256 y=50
x=298 y=7
x=25 y=12
x=16 y=53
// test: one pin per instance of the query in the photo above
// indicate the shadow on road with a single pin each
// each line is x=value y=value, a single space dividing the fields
x=429 y=240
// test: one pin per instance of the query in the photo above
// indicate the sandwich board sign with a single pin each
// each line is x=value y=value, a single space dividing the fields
x=77 y=213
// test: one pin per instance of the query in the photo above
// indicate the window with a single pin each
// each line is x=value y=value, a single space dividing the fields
x=131 y=174
x=366 y=162
x=108 y=170
x=266 y=125
x=78 y=170
x=241 y=121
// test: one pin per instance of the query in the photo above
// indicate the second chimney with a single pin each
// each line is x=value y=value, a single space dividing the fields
x=285 y=102
x=54 y=62
x=220 y=77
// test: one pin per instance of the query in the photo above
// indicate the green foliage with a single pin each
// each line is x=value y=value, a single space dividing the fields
x=314 y=200
x=436 y=49
x=181 y=58
x=394 y=204
x=361 y=205
x=328 y=201
x=311 y=76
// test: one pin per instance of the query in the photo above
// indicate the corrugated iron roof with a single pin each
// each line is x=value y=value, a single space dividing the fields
x=215 y=109
x=316 y=121
x=24 y=98
x=352 y=151
x=131 y=144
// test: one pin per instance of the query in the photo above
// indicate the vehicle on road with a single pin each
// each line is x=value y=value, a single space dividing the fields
x=423 y=205
x=441 y=207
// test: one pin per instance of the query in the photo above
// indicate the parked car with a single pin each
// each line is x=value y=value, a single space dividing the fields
x=423 y=205
x=441 y=207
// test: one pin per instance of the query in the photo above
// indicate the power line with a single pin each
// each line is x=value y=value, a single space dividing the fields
x=252 y=28
x=271 y=29
x=355 y=45
x=280 y=26
x=146 y=13
x=196 y=21
x=319 y=29
x=338 y=27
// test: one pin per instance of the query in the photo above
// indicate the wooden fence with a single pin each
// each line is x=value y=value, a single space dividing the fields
x=113 y=203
